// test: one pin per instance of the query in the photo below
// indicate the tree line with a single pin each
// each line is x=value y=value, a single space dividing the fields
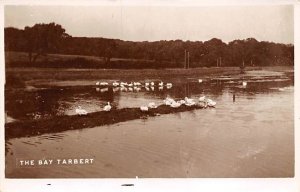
x=42 y=39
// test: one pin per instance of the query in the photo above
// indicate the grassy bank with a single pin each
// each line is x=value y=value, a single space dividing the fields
x=35 y=76
x=22 y=76
x=63 y=123
x=21 y=59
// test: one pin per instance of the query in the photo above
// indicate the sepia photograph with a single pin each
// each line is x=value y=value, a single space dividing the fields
x=149 y=91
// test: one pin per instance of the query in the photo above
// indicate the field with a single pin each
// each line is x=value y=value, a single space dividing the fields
x=21 y=59
x=22 y=73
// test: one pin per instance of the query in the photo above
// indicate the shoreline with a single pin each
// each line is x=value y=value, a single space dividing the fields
x=36 y=76
x=28 y=77
x=63 y=123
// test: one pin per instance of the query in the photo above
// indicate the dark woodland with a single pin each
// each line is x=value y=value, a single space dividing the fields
x=41 y=41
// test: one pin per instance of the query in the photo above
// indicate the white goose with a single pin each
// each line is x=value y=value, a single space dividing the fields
x=107 y=107
x=130 y=84
x=152 y=105
x=115 y=84
x=147 y=84
x=81 y=111
x=244 y=83
x=137 y=84
x=202 y=99
x=200 y=80
x=189 y=102
x=169 y=101
x=203 y=104
x=161 y=83
x=123 y=84
x=175 y=104
x=169 y=85
x=98 y=83
x=152 y=83
x=211 y=103
x=144 y=108
x=103 y=83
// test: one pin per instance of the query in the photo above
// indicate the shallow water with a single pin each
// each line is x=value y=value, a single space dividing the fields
x=249 y=136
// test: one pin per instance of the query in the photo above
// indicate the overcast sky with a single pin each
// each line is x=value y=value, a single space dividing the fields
x=265 y=23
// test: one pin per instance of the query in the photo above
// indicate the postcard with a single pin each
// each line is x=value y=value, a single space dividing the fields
x=149 y=91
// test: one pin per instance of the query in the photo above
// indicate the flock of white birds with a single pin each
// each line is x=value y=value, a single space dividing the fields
x=203 y=101
x=132 y=86
x=135 y=84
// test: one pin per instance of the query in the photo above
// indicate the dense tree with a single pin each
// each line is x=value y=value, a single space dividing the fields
x=51 y=38
x=42 y=38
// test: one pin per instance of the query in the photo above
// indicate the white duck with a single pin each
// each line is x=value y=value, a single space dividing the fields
x=152 y=83
x=202 y=99
x=115 y=84
x=169 y=101
x=81 y=111
x=147 y=84
x=152 y=105
x=203 y=104
x=169 y=85
x=144 y=108
x=244 y=83
x=123 y=84
x=161 y=83
x=98 y=83
x=103 y=83
x=189 y=102
x=107 y=107
x=137 y=84
x=211 y=103
x=200 y=80
x=175 y=104
x=130 y=84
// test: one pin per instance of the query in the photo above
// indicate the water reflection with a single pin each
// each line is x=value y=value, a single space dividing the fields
x=239 y=138
x=251 y=137
x=21 y=104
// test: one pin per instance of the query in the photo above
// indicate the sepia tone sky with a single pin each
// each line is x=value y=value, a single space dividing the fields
x=142 y=23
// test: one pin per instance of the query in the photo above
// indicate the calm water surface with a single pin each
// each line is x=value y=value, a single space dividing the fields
x=249 y=136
